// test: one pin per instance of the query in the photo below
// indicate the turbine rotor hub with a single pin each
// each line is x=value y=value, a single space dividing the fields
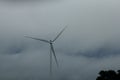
x=51 y=42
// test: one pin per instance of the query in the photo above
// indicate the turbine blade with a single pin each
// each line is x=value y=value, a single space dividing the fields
x=38 y=39
x=60 y=33
x=52 y=48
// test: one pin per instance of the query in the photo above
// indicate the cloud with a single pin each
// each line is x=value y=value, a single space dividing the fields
x=88 y=45
x=26 y=0
x=36 y=65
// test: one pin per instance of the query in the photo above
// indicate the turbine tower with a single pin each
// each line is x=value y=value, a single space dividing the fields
x=52 y=51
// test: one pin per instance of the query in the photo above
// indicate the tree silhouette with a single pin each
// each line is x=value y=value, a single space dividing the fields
x=109 y=75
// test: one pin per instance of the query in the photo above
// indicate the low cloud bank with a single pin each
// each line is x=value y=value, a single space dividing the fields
x=90 y=43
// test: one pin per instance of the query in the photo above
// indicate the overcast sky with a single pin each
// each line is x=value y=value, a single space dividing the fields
x=90 y=43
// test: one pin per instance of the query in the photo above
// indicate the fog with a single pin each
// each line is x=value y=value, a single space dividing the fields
x=89 y=44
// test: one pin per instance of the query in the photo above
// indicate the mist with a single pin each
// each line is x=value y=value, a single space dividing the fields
x=90 y=43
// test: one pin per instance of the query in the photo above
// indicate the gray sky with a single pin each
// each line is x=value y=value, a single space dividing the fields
x=90 y=43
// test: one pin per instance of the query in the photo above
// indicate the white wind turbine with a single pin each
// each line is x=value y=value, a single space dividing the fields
x=52 y=51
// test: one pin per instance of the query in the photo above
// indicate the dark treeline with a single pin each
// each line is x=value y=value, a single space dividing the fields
x=109 y=75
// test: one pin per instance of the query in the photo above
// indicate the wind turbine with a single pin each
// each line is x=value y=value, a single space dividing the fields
x=52 y=51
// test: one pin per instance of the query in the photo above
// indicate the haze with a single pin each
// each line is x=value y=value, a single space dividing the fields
x=90 y=43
